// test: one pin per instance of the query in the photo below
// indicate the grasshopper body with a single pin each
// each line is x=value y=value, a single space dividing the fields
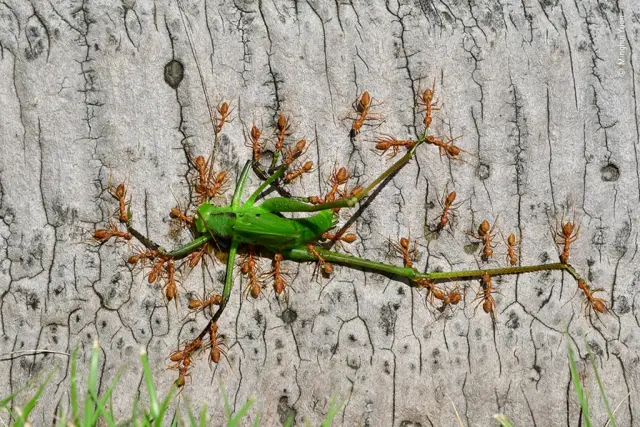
x=259 y=225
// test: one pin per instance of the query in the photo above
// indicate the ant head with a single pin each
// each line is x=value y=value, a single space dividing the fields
x=484 y=228
x=582 y=285
x=404 y=242
x=511 y=240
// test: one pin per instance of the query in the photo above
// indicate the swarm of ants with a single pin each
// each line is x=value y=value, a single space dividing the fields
x=207 y=184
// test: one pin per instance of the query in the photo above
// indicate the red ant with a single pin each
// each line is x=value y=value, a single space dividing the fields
x=386 y=143
x=448 y=207
x=176 y=213
x=486 y=235
x=403 y=248
x=512 y=258
x=567 y=235
x=255 y=143
x=362 y=109
x=295 y=174
x=198 y=305
x=224 y=111
x=282 y=125
x=428 y=105
x=120 y=194
x=103 y=235
x=485 y=294
x=293 y=153
x=448 y=148
x=324 y=265
x=591 y=302
x=248 y=268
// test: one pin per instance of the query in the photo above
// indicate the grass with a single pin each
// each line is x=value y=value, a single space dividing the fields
x=97 y=409
x=581 y=393
x=155 y=414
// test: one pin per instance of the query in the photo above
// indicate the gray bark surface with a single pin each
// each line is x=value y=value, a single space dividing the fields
x=544 y=96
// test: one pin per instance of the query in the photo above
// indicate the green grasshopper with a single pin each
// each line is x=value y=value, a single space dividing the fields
x=262 y=224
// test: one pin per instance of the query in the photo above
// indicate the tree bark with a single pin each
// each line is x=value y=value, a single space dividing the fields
x=542 y=95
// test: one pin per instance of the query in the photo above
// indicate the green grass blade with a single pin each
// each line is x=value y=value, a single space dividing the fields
x=192 y=419
x=203 y=416
x=503 y=420
x=102 y=409
x=74 y=387
x=92 y=394
x=134 y=412
x=237 y=419
x=148 y=378
x=227 y=408
x=601 y=386
x=334 y=408
x=24 y=416
x=256 y=422
x=5 y=400
x=164 y=406
x=582 y=396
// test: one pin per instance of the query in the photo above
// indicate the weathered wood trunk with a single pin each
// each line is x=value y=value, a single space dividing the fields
x=544 y=97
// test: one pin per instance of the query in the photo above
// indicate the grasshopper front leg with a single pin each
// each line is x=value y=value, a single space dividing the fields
x=281 y=204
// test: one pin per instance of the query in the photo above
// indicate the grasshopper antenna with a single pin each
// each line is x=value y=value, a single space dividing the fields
x=187 y=29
